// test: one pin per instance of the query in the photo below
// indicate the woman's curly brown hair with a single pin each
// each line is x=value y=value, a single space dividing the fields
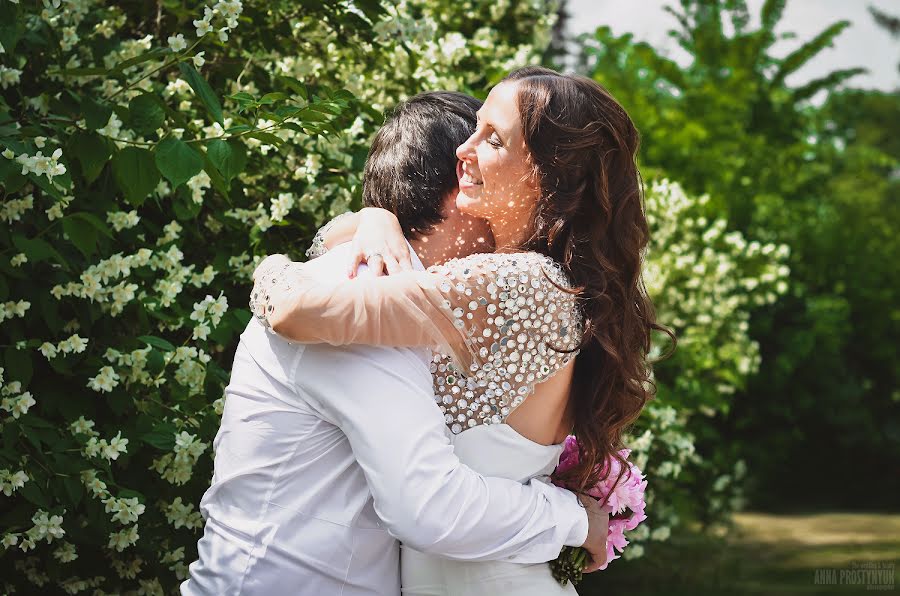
x=590 y=218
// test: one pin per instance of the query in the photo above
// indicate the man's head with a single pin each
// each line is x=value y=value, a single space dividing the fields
x=411 y=168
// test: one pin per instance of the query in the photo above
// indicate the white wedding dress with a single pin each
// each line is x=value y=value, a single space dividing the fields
x=526 y=313
x=498 y=324
x=492 y=450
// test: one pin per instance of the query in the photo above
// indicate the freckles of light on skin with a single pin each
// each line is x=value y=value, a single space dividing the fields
x=458 y=235
x=495 y=181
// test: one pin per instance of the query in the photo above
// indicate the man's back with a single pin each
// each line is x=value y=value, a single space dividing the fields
x=289 y=510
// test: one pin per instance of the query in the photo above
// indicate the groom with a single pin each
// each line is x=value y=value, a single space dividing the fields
x=327 y=456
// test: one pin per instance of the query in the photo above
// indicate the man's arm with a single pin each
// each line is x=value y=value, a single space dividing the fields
x=422 y=492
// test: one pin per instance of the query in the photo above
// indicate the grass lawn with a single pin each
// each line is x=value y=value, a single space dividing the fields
x=763 y=554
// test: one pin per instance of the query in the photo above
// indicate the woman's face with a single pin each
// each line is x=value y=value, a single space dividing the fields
x=494 y=177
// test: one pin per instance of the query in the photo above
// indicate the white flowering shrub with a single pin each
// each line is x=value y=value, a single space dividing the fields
x=144 y=155
x=704 y=282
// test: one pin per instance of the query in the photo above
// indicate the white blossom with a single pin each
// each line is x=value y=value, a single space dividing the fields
x=121 y=220
x=9 y=76
x=123 y=538
x=10 y=482
x=177 y=42
x=105 y=380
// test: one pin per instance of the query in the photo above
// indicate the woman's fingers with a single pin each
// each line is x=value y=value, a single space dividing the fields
x=391 y=265
x=381 y=261
x=376 y=264
x=401 y=254
x=405 y=262
x=356 y=258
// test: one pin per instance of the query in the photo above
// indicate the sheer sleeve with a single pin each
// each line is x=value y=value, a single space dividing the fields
x=504 y=321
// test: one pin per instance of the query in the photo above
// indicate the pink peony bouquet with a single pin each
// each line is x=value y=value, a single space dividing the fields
x=624 y=499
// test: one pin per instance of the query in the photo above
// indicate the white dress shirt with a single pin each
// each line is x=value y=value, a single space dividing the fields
x=326 y=456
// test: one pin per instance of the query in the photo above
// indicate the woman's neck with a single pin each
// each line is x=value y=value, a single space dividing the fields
x=509 y=234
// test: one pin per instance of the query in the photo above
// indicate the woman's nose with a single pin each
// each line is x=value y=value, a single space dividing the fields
x=464 y=151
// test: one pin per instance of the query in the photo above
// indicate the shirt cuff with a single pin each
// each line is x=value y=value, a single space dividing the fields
x=569 y=515
x=579 y=520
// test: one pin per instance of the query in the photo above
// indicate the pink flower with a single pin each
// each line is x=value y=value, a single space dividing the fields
x=624 y=494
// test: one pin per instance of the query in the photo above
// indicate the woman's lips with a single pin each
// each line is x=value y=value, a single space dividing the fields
x=465 y=178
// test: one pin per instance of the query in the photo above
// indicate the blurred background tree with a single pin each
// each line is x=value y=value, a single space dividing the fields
x=822 y=179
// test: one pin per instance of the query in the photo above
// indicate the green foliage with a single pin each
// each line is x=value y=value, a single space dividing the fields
x=147 y=165
x=820 y=179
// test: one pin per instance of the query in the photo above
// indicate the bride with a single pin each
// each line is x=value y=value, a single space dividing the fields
x=545 y=337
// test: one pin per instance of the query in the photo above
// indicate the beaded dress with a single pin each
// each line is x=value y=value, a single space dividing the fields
x=497 y=325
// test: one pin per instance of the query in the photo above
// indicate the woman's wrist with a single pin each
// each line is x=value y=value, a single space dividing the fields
x=340 y=229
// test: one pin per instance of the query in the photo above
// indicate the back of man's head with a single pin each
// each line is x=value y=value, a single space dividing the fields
x=412 y=162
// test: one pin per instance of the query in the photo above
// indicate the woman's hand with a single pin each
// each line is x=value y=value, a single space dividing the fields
x=379 y=242
x=598 y=530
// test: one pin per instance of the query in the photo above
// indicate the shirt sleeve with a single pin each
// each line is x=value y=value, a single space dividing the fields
x=424 y=495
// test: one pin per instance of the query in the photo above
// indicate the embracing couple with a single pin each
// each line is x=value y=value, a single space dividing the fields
x=424 y=395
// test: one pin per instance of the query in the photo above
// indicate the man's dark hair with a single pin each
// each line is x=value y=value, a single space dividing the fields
x=412 y=162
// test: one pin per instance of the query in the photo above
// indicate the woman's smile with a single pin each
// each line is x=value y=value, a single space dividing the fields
x=469 y=178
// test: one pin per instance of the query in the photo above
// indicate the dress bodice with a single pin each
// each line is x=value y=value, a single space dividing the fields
x=511 y=455
x=521 y=325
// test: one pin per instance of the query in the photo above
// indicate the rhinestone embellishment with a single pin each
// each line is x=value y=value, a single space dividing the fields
x=513 y=317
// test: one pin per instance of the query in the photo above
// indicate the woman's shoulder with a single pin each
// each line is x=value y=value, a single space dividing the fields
x=529 y=266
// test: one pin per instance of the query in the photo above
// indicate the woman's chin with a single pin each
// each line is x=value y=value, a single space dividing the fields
x=468 y=201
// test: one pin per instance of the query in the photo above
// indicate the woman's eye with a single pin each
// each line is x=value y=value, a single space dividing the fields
x=494 y=140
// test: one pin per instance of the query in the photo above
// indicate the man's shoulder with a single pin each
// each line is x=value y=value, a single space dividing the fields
x=332 y=264
x=269 y=349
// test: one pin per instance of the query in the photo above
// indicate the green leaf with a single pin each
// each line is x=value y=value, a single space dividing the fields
x=74 y=489
x=326 y=108
x=12 y=26
x=96 y=114
x=149 y=55
x=79 y=72
x=293 y=126
x=242 y=98
x=38 y=250
x=242 y=316
x=307 y=114
x=50 y=312
x=185 y=207
x=162 y=436
x=95 y=221
x=343 y=95
x=229 y=158
x=177 y=161
x=10 y=436
x=266 y=137
x=294 y=85
x=33 y=494
x=135 y=171
x=203 y=90
x=92 y=151
x=270 y=98
x=82 y=234
x=157 y=342
x=145 y=114
x=18 y=365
